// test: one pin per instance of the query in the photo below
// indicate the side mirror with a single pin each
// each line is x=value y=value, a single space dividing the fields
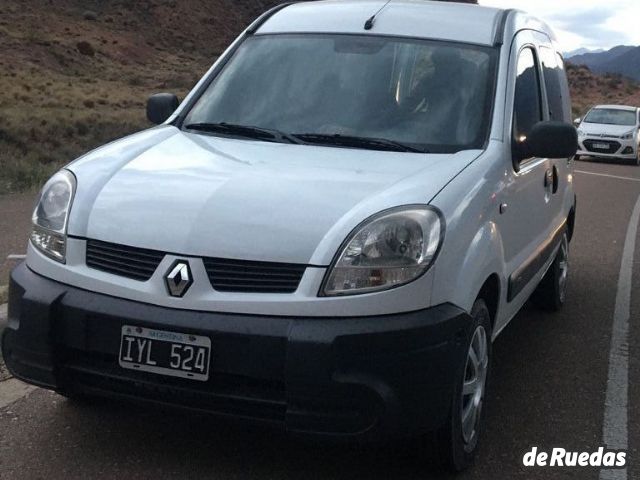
x=577 y=121
x=160 y=107
x=552 y=140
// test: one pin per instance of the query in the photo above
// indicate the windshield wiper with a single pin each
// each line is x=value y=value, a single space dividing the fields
x=356 y=142
x=272 y=135
x=247 y=131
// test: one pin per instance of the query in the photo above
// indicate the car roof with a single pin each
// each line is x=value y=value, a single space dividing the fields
x=450 y=21
x=617 y=107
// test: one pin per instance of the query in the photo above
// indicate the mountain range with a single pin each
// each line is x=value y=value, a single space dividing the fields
x=582 y=51
x=623 y=60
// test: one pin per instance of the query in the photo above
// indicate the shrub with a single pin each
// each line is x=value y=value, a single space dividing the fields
x=85 y=48
x=90 y=15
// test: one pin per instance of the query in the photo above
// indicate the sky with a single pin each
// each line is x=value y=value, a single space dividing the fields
x=590 y=24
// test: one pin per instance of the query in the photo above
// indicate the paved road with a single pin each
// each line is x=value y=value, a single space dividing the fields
x=548 y=390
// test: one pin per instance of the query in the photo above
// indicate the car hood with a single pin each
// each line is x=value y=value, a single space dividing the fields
x=201 y=195
x=604 y=129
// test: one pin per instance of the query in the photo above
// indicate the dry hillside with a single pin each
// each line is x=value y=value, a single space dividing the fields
x=588 y=89
x=76 y=73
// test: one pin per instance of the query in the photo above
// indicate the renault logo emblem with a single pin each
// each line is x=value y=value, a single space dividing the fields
x=178 y=279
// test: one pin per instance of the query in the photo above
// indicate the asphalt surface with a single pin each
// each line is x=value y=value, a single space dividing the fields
x=548 y=389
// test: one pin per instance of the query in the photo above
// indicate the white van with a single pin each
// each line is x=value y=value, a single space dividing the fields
x=326 y=235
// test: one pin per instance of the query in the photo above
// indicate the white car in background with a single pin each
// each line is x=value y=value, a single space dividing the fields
x=610 y=131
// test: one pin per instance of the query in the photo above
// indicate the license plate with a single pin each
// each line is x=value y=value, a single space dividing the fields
x=165 y=353
x=601 y=146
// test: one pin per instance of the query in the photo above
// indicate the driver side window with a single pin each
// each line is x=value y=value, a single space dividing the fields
x=527 y=109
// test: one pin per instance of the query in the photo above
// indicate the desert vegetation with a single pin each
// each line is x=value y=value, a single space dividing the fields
x=75 y=74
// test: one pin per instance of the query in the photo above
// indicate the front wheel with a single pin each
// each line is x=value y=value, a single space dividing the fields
x=458 y=439
x=551 y=293
x=576 y=157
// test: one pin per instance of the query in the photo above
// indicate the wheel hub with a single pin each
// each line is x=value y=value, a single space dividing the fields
x=563 y=264
x=473 y=386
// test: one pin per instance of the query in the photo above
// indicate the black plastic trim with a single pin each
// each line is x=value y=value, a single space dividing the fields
x=521 y=277
x=498 y=39
x=188 y=255
x=367 y=377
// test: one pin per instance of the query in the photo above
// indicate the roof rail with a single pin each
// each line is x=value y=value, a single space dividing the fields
x=253 y=28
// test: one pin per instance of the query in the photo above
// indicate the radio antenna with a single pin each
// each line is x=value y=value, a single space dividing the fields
x=368 y=25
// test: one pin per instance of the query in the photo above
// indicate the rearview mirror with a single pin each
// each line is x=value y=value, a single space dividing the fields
x=552 y=140
x=577 y=121
x=160 y=107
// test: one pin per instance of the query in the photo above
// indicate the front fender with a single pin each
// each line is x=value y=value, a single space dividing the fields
x=460 y=279
x=473 y=246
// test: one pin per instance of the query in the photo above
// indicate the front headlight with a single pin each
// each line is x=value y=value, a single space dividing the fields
x=389 y=249
x=628 y=135
x=50 y=217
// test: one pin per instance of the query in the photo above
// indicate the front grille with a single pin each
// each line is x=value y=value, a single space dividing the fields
x=605 y=135
x=224 y=275
x=253 y=277
x=612 y=147
x=130 y=262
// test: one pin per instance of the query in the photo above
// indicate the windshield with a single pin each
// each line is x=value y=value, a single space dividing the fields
x=610 y=116
x=432 y=95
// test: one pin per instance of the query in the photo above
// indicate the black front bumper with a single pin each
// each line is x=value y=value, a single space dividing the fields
x=367 y=377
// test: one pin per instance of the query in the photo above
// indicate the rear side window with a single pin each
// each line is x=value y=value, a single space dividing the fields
x=527 y=102
x=555 y=81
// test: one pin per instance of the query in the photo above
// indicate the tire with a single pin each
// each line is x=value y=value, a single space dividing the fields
x=552 y=290
x=576 y=157
x=458 y=440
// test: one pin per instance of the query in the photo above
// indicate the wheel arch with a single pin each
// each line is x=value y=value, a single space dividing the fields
x=490 y=293
x=571 y=221
x=462 y=279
